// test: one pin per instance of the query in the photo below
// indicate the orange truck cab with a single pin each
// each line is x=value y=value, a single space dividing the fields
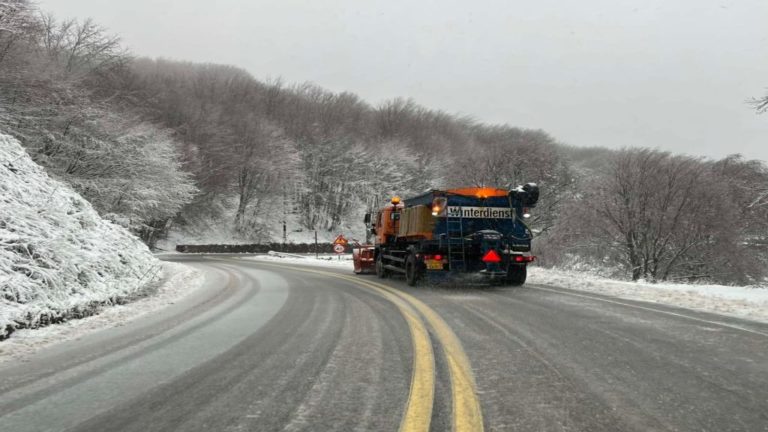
x=384 y=228
x=387 y=222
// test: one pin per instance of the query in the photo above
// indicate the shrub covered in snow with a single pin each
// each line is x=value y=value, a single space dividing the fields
x=58 y=257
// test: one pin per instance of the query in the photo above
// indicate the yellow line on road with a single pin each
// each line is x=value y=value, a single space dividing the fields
x=467 y=415
x=418 y=408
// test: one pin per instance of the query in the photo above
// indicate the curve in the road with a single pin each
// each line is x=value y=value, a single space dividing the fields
x=344 y=352
x=466 y=411
x=77 y=394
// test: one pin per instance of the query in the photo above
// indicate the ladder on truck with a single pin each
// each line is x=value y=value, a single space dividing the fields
x=455 y=236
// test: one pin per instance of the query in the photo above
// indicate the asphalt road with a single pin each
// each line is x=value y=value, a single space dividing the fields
x=270 y=347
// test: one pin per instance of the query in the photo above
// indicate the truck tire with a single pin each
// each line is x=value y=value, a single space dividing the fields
x=381 y=272
x=516 y=275
x=411 y=270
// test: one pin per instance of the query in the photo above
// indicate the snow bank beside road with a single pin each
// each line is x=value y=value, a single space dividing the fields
x=180 y=280
x=58 y=258
x=324 y=260
x=745 y=302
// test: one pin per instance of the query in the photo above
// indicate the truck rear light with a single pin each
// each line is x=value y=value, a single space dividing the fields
x=526 y=212
x=523 y=258
x=437 y=257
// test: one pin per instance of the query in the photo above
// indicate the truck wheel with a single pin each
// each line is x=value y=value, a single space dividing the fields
x=411 y=270
x=516 y=275
x=381 y=272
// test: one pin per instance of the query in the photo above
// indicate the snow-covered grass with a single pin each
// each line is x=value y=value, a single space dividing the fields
x=745 y=302
x=323 y=260
x=58 y=258
x=180 y=280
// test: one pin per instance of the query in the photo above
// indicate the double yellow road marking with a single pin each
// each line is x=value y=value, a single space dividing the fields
x=467 y=415
x=418 y=410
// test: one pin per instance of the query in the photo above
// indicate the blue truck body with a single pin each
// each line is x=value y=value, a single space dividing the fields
x=471 y=232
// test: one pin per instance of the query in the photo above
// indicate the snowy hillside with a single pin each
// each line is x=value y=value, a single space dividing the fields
x=58 y=257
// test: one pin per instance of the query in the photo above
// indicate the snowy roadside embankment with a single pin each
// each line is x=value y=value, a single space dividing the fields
x=179 y=281
x=58 y=258
x=744 y=302
x=323 y=260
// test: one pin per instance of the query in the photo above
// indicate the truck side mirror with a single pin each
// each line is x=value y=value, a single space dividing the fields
x=526 y=196
x=367 y=219
x=532 y=190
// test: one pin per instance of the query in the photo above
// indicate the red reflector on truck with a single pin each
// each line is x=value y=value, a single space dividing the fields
x=433 y=257
x=491 y=257
x=522 y=258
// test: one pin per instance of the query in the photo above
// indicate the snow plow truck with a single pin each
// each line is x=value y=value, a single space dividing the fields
x=474 y=233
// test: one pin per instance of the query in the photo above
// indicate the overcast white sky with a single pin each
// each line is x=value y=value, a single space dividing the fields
x=657 y=73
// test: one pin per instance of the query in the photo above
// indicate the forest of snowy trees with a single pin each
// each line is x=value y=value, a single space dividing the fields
x=160 y=145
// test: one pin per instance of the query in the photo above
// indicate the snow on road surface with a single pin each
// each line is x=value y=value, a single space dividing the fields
x=58 y=258
x=744 y=302
x=180 y=280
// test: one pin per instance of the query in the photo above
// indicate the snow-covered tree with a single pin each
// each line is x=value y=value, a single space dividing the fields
x=661 y=217
x=506 y=157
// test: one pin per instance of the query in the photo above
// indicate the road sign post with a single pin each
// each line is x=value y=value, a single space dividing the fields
x=340 y=245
